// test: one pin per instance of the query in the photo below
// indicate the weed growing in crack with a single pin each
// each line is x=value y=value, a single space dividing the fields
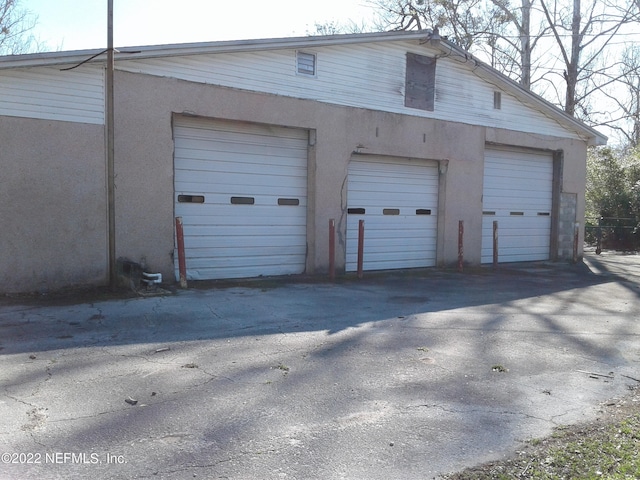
x=283 y=368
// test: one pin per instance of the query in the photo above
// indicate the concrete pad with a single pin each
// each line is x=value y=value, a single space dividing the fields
x=404 y=375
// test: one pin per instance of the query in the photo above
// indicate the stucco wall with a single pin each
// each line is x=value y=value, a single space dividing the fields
x=52 y=205
x=53 y=195
x=144 y=165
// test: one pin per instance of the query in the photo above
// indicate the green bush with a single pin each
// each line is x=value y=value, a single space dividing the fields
x=613 y=198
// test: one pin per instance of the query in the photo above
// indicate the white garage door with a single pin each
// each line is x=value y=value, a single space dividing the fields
x=518 y=190
x=398 y=200
x=241 y=190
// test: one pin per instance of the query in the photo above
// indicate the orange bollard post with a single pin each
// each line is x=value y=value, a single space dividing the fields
x=332 y=249
x=460 y=245
x=360 y=247
x=182 y=264
x=495 y=244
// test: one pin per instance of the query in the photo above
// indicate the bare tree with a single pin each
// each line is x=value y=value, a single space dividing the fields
x=624 y=94
x=565 y=50
x=520 y=45
x=336 y=28
x=463 y=22
x=630 y=78
x=582 y=35
x=15 y=27
x=498 y=31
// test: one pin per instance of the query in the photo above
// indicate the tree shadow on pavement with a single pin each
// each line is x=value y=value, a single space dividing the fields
x=390 y=377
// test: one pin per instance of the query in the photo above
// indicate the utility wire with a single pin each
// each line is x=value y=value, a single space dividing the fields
x=95 y=56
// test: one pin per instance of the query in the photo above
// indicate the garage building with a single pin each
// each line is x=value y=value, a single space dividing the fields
x=258 y=144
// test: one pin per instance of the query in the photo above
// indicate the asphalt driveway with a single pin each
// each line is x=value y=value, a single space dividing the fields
x=406 y=375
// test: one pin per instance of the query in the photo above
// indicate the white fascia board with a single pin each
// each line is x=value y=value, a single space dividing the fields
x=52 y=58
x=490 y=74
x=153 y=51
x=272 y=43
x=593 y=137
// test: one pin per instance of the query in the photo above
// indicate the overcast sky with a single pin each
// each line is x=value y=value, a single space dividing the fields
x=82 y=24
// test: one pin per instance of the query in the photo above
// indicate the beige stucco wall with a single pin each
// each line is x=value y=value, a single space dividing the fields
x=53 y=205
x=53 y=195
x=145 y=106
x=144 y=165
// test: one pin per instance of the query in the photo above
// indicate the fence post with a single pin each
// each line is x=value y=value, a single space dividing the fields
x=360 y=247
x=460 y=245
x=182 y=264
x=495 y=244
x=332 y=249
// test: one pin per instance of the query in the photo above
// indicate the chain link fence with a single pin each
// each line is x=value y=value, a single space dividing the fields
x=611 y=233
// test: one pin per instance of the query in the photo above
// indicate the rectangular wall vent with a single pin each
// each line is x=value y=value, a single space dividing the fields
x=497 y=100
x=306 y=63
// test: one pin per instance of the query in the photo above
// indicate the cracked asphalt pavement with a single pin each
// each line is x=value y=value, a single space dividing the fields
x=406 y=375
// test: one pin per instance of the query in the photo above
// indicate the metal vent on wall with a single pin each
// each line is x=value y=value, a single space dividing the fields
x=306 y=63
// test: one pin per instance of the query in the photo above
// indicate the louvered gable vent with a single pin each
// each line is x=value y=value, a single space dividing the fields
x=306 y=63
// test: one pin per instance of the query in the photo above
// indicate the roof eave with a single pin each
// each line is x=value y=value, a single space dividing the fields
x=589 y=134
x=50 y=58
x=201 y=48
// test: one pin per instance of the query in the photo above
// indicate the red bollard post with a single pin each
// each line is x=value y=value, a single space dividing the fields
x=495 y=244
x=576 y=236
x=460 y=245
x=332 y=249
x=182 y=264
x=360 y=247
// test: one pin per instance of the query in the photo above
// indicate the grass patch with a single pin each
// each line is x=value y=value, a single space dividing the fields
x=283 y=368
x=604 y=449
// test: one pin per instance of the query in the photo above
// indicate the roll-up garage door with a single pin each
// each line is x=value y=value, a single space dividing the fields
x=398 y=200
x=241 y=190
x=517 y=193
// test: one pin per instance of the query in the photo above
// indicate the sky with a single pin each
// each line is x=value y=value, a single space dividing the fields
x=82 y=24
